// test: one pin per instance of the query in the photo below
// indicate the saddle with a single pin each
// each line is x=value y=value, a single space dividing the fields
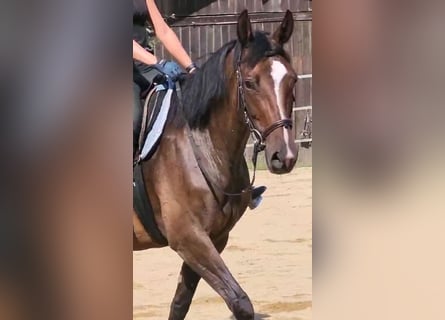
x=155 y=114
x=156 y=107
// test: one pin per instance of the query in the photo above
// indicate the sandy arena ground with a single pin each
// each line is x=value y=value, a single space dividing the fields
x=269 y=253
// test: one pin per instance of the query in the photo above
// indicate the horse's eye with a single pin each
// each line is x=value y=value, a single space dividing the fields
x=250 y=84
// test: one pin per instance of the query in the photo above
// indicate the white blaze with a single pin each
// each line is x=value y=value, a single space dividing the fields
x=278 y=71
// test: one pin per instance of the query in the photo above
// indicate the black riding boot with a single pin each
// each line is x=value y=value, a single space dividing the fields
x=137 y=117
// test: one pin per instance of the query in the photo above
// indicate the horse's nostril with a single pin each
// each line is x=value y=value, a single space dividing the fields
x=276 y=161
x=275 y=156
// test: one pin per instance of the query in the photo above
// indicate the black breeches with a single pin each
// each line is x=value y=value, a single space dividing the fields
x=137 y=114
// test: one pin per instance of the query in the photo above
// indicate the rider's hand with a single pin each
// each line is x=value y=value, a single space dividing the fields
x=170 y=68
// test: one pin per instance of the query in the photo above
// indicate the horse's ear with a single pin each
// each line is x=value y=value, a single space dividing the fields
x=284 y=32
x=244 y=30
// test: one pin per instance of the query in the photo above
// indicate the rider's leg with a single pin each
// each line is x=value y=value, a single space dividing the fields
x=137 y=115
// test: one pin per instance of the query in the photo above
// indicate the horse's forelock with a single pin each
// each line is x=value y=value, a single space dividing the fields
x=262 y=47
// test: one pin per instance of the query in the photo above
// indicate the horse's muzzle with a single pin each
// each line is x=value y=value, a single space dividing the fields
x=280 y=166
x=283 y=161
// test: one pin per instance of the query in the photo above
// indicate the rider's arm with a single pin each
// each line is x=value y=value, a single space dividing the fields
x=167 y=36
x=142 y=55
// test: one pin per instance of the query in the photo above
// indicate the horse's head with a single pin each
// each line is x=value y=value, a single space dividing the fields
x=266 y=80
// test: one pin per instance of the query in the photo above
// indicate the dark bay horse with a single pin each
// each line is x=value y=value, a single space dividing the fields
x=198 y=180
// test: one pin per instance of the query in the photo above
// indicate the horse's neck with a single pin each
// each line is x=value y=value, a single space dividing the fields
x=226 y=135
x=227 y=127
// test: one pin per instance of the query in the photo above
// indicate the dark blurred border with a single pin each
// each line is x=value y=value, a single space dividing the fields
x=66 y=246
x=378 y=159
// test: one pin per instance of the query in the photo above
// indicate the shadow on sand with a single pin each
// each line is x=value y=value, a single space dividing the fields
x=258 y=316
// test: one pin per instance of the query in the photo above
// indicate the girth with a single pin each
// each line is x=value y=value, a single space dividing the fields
x=143 y=208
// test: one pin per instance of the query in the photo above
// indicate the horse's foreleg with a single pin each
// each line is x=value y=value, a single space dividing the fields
x=187 y=283
x=198 y=251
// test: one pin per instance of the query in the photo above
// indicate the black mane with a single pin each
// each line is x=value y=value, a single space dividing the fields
x=202 y=91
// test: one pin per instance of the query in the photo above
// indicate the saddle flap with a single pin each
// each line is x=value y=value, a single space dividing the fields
x=156 y=110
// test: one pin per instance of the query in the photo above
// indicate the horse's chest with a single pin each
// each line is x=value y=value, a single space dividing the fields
x=229 y=213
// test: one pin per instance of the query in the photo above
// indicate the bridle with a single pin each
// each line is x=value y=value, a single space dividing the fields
x=259 y=137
